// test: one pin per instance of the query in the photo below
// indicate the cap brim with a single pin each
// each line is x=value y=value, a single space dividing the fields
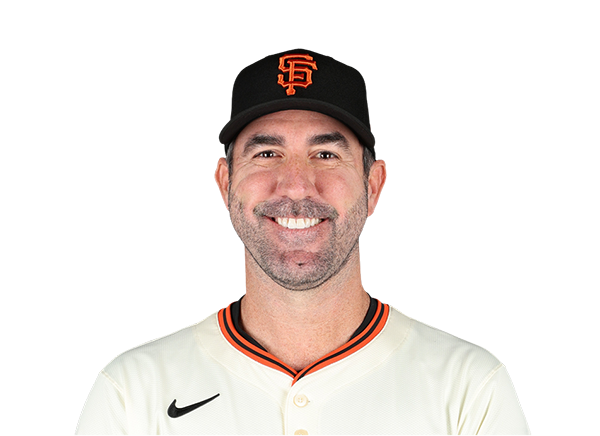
x=237 y=124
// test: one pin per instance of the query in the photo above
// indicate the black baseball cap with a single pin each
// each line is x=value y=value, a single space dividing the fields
x=300 y=79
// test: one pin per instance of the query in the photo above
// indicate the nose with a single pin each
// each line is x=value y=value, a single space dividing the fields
x=296 y=180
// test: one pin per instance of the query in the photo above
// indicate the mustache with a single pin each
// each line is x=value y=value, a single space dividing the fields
x=285 y=207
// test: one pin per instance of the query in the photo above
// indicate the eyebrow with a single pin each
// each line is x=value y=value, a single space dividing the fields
x=261 y=139
x=330 y=138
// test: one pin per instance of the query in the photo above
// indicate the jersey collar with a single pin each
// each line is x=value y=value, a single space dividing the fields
x=371 y=326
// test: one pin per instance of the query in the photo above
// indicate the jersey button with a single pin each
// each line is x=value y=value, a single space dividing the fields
x=300 y=400
x=301 y=431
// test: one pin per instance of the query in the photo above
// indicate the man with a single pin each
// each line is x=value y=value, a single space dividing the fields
x=306 y=350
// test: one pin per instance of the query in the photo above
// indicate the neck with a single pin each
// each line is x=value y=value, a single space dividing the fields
x=299 y=327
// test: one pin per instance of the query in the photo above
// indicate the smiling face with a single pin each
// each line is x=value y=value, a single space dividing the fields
x=297 y=195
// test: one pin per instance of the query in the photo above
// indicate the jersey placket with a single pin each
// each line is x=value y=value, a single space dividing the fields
x=301 y=410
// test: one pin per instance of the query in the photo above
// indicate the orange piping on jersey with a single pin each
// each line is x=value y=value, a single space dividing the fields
x=352 y=346
x=258 y=355
x=227 y=314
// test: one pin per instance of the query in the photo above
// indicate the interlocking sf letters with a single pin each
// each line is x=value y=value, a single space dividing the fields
x=299 y=73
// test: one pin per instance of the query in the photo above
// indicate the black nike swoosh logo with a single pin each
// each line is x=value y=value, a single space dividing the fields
x=176 y=412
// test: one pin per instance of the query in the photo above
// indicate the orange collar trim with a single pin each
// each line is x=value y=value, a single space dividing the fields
x=369 y=333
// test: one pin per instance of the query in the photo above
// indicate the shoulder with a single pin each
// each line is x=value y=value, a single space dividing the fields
x=441 y=372
x=161 y=353
x=434 y=348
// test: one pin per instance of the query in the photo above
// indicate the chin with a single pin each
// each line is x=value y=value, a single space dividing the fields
x=299 y=277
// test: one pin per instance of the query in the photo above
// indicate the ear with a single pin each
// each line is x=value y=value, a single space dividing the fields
x=222 y=179
x=377 y=178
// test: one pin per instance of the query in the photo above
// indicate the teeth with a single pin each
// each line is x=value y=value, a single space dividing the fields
x=297 y=223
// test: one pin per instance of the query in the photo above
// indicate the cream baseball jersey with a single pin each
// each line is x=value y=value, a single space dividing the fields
x=394 y=376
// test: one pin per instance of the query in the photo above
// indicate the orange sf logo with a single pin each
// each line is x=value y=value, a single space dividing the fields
x=298 y=69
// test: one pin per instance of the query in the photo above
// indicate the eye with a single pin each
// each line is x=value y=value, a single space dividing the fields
x=266 y=154
x=326 y=155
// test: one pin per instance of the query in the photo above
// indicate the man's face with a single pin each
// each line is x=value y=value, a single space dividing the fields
x=297 y=195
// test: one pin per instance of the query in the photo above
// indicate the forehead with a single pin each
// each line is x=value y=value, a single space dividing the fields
x=299 y=123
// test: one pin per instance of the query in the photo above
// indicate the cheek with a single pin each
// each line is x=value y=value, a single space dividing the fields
x=339 y=190
x=258 y=185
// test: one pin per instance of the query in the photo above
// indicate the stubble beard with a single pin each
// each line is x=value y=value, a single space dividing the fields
x=340 y=246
